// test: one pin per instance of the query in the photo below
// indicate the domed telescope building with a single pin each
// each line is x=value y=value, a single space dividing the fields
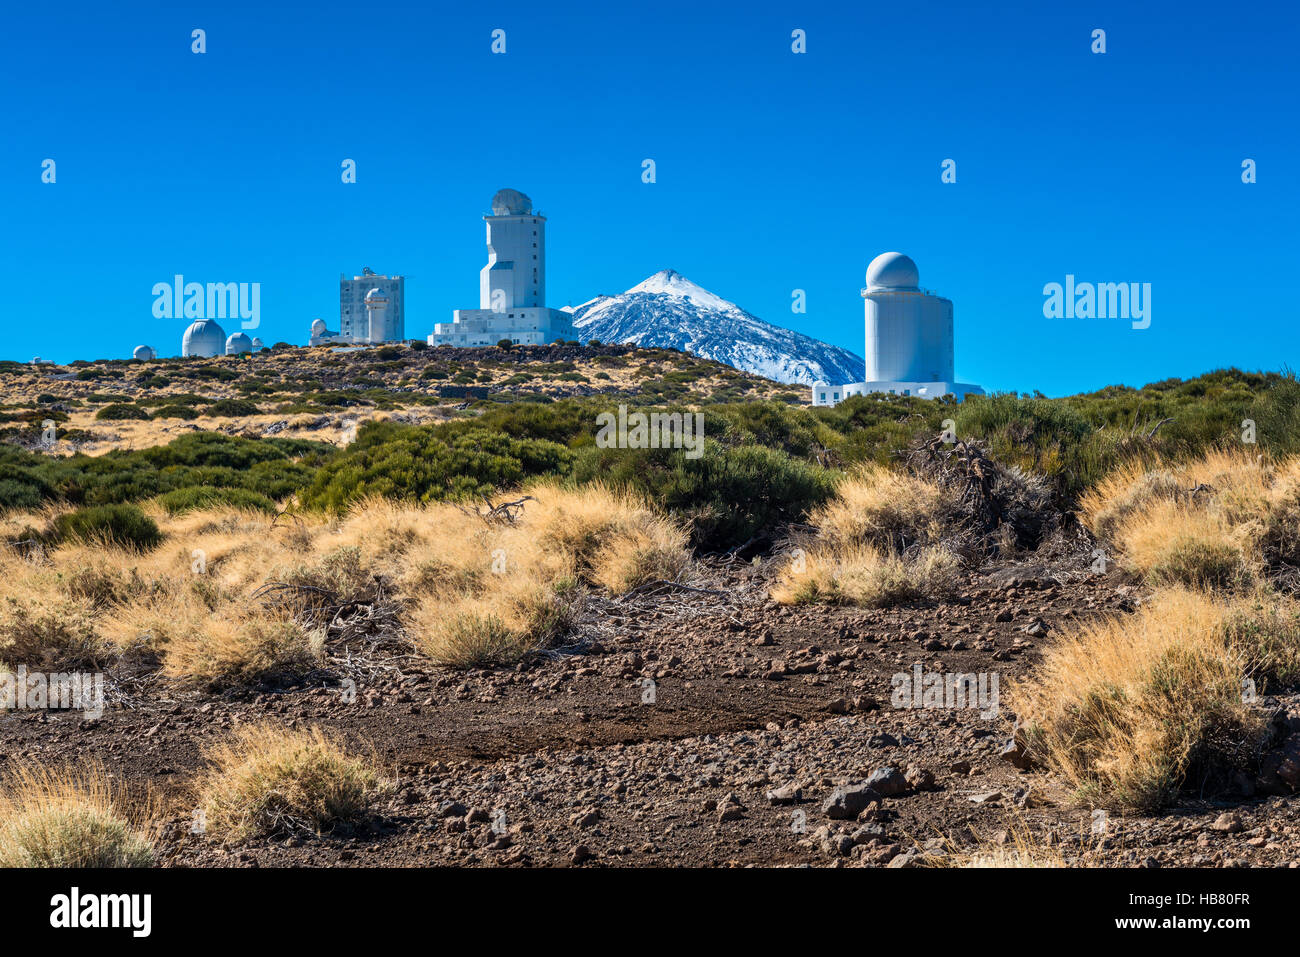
x=909 y=338
x=144 y=353
x=512 y=286
x=238 y=343
x=203 y=338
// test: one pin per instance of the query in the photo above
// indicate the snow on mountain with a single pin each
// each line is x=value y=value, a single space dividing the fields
x=669 y=311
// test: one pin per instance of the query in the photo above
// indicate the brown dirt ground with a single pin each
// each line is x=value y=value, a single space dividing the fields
x=560 y=761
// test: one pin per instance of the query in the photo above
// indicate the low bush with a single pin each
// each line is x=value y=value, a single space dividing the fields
x=66 y=818
x=125 y=526
x=273 y=781
x=1128 y=709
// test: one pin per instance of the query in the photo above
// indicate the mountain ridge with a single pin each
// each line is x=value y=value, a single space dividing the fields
x=667 y=310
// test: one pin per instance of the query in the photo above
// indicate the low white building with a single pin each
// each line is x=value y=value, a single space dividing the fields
x=512 y=286
x=909 y=338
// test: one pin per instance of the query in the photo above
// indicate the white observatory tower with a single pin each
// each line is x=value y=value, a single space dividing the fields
x=909 y=332
x=909 y=338
x=376 y=309
x=515 y=274
x=512 y=286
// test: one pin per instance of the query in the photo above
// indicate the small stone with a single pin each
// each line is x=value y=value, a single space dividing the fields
x=1229 y=822
x=789 y=793
x=846 y=803
x=887 y=782
x=580 y=853
x=919 y=779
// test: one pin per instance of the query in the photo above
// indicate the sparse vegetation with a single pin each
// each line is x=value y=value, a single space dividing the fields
x=1126 y=708
x=269 y=780
x=66 y=818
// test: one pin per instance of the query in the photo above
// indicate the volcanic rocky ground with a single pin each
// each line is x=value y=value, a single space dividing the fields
x=765 y=723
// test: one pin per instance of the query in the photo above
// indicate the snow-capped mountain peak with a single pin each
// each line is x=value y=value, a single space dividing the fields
x=667 y=310
x=670 y=282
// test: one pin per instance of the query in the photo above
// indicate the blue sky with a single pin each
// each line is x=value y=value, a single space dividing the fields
x=775 y=171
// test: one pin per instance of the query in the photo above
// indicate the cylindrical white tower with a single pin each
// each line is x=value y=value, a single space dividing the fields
x=909 y=336
x=376 y=307
x=515 y=274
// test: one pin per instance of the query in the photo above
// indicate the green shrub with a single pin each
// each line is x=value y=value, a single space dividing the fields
x=229 y=408
x=121 y=410
x=122 y=525
x=729 y=496
x=175 y=412
x=413 y=462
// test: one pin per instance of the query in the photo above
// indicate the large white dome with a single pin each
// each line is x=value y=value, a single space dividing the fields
x=511 y=202
x=892 y=271
x=237 y=343
x=203 y=338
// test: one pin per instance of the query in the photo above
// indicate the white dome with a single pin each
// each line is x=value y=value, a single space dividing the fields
x=203 y=338
x=376 y=295
x=258 y=344
x=892 y=271
x=237 y=343
x=511 y=202
x=318 y=327
x=143 y=353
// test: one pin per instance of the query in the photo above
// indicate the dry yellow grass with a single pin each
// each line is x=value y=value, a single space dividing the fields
x=865 y=575
x=474 y=593
x=1019 y=850
x=879 y=506
x=859 y=554
x=1170 y=543
x=493 y=592
x=66 y=818
x=1210 y=521
x=269 y=780
x=1125 y=706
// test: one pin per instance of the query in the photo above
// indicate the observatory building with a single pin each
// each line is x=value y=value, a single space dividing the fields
x=512 y=286
x=203 y=338
x=354 y=316
x=237 y=343
x=909 y=338
x=144 y=353
x=356 y=312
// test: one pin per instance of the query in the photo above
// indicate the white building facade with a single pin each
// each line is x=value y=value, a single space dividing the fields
x=910 y=347
x=512 y=286
x=354 y=319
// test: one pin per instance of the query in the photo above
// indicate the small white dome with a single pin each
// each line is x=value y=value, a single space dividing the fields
x=376 y=295
x=203 y=338
x=258 y=344
x=237 y=343
x=143 y=353
x=36 y=360
x=511 y=202
x=892 y=271
x=318 y=328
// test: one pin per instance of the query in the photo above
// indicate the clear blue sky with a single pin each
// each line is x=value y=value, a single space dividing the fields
x=776 y=171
